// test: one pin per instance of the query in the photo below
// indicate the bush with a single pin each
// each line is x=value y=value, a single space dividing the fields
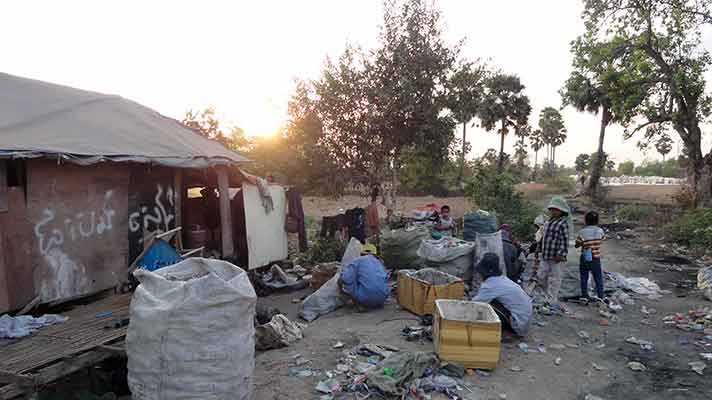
x=324 y=250
x=635 y=212
x=561 y=184
x=693 y=229
x=496 y=192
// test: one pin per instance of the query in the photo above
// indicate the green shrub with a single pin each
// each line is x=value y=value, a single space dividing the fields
x=496 y=192
x=693 y=229
x=324 y=250
x=635 y=212
x=561 y=184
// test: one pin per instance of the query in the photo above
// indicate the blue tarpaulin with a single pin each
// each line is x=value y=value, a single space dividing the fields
x=160 y=254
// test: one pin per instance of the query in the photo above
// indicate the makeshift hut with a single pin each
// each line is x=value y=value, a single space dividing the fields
x=86 y=178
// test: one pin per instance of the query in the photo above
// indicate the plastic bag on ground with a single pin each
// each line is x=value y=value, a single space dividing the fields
x=399 y=248
x=481 y=222
x=192 y=334
x=642 y=286
x=704 y=282
x=279 y=332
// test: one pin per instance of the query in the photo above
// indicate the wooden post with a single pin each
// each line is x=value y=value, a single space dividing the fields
x=228 y=247
x=178 y=195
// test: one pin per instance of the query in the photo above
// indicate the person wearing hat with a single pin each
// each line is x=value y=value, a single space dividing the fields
x=554 y=248
x=364 y=280
x=507 y=298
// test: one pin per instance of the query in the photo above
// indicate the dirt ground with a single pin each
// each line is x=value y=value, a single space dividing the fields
x=668 y=375
x=320 y=206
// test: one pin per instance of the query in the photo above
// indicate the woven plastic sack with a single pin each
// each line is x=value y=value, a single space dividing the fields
x=481 y=222
x=399 y=248
x=327 y=299
x=450 y=255
x=191 y=334
x=704 y=282
x=490 y=243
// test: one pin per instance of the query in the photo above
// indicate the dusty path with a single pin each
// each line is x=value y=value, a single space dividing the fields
x=668 y=376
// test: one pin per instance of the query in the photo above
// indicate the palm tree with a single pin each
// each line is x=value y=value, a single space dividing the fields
x=504 y=103
x=536 y=140
x=583 y=95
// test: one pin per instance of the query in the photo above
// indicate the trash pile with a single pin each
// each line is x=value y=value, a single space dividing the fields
x=704 y=282
x=277 y=279
x=277 y=333
x=698 y=321
x=384 y=371
x=399 y=248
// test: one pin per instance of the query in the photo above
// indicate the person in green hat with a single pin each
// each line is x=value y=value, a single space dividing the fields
x=554 y=248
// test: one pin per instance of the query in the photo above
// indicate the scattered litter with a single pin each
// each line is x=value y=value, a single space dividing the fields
x=541 y=348
x=636 y=366
x=572 y=345
x=598 y=367
x=557 y=361
x=601 y=346
x=644 y=344
x=557 y=346
x=592 y=397
x=515 y=368
x=584 y=335
x=523 y=347
x=604 y=322
x=698 y=367
x=302 y=372
x=706 y=356
x=328 y=386
x=338 y=345
x=502 y=396
x=541 y=323
x=279 y=332
x=642 y=286
x=482 y=373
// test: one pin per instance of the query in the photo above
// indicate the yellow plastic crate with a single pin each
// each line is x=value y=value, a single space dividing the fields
x=418 y=290
x=467 y=332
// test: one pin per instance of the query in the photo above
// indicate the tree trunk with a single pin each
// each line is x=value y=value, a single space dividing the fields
x=500 y=164
x=597 y=165
x=462 y=157
x=536 y=153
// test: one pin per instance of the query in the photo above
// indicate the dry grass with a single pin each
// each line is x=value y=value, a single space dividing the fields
x=318 y=206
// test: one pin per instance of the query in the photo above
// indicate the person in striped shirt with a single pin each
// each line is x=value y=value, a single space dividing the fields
x=589 y=240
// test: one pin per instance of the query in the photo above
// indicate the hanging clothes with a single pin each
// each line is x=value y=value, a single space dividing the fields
x=296 y=211
x=356 y=220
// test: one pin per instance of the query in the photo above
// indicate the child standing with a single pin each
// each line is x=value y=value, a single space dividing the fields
x=589 y=239
x=554 y=248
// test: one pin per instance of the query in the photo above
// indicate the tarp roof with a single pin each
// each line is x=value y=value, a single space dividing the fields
x=40 y=119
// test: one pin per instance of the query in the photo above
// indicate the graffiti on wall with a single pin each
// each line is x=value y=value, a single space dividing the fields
x=156 y=218
x=53 y=231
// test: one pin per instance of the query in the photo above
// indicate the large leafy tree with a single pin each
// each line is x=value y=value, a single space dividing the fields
x=374 y=107
x=206 y=123
x=466 y=88
x=659 y=46
x=505 y=106
x=594 y=81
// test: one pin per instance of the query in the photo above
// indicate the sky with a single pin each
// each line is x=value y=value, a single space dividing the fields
x=242 y=57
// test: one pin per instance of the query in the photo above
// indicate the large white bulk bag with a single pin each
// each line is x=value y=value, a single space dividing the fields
x=191 y=334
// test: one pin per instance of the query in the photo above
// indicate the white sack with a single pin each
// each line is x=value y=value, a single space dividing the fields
x=191 y=334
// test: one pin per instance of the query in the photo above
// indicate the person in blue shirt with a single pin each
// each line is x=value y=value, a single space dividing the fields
x=365 y=280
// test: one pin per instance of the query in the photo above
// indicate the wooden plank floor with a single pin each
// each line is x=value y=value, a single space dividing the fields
x=81 y=332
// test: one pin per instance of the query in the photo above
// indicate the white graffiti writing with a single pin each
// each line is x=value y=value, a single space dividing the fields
x=159 y=216
x=82 y=225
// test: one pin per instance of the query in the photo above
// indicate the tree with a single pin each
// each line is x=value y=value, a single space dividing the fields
x=659 y=46
x=553 y=131
x=520 y=146
x=664 y=145
x=207 y=124
x=373 y=107
x=504 y=103
x=582 y=163
x=465 y=92
x=626 y=168
x=537 y=143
